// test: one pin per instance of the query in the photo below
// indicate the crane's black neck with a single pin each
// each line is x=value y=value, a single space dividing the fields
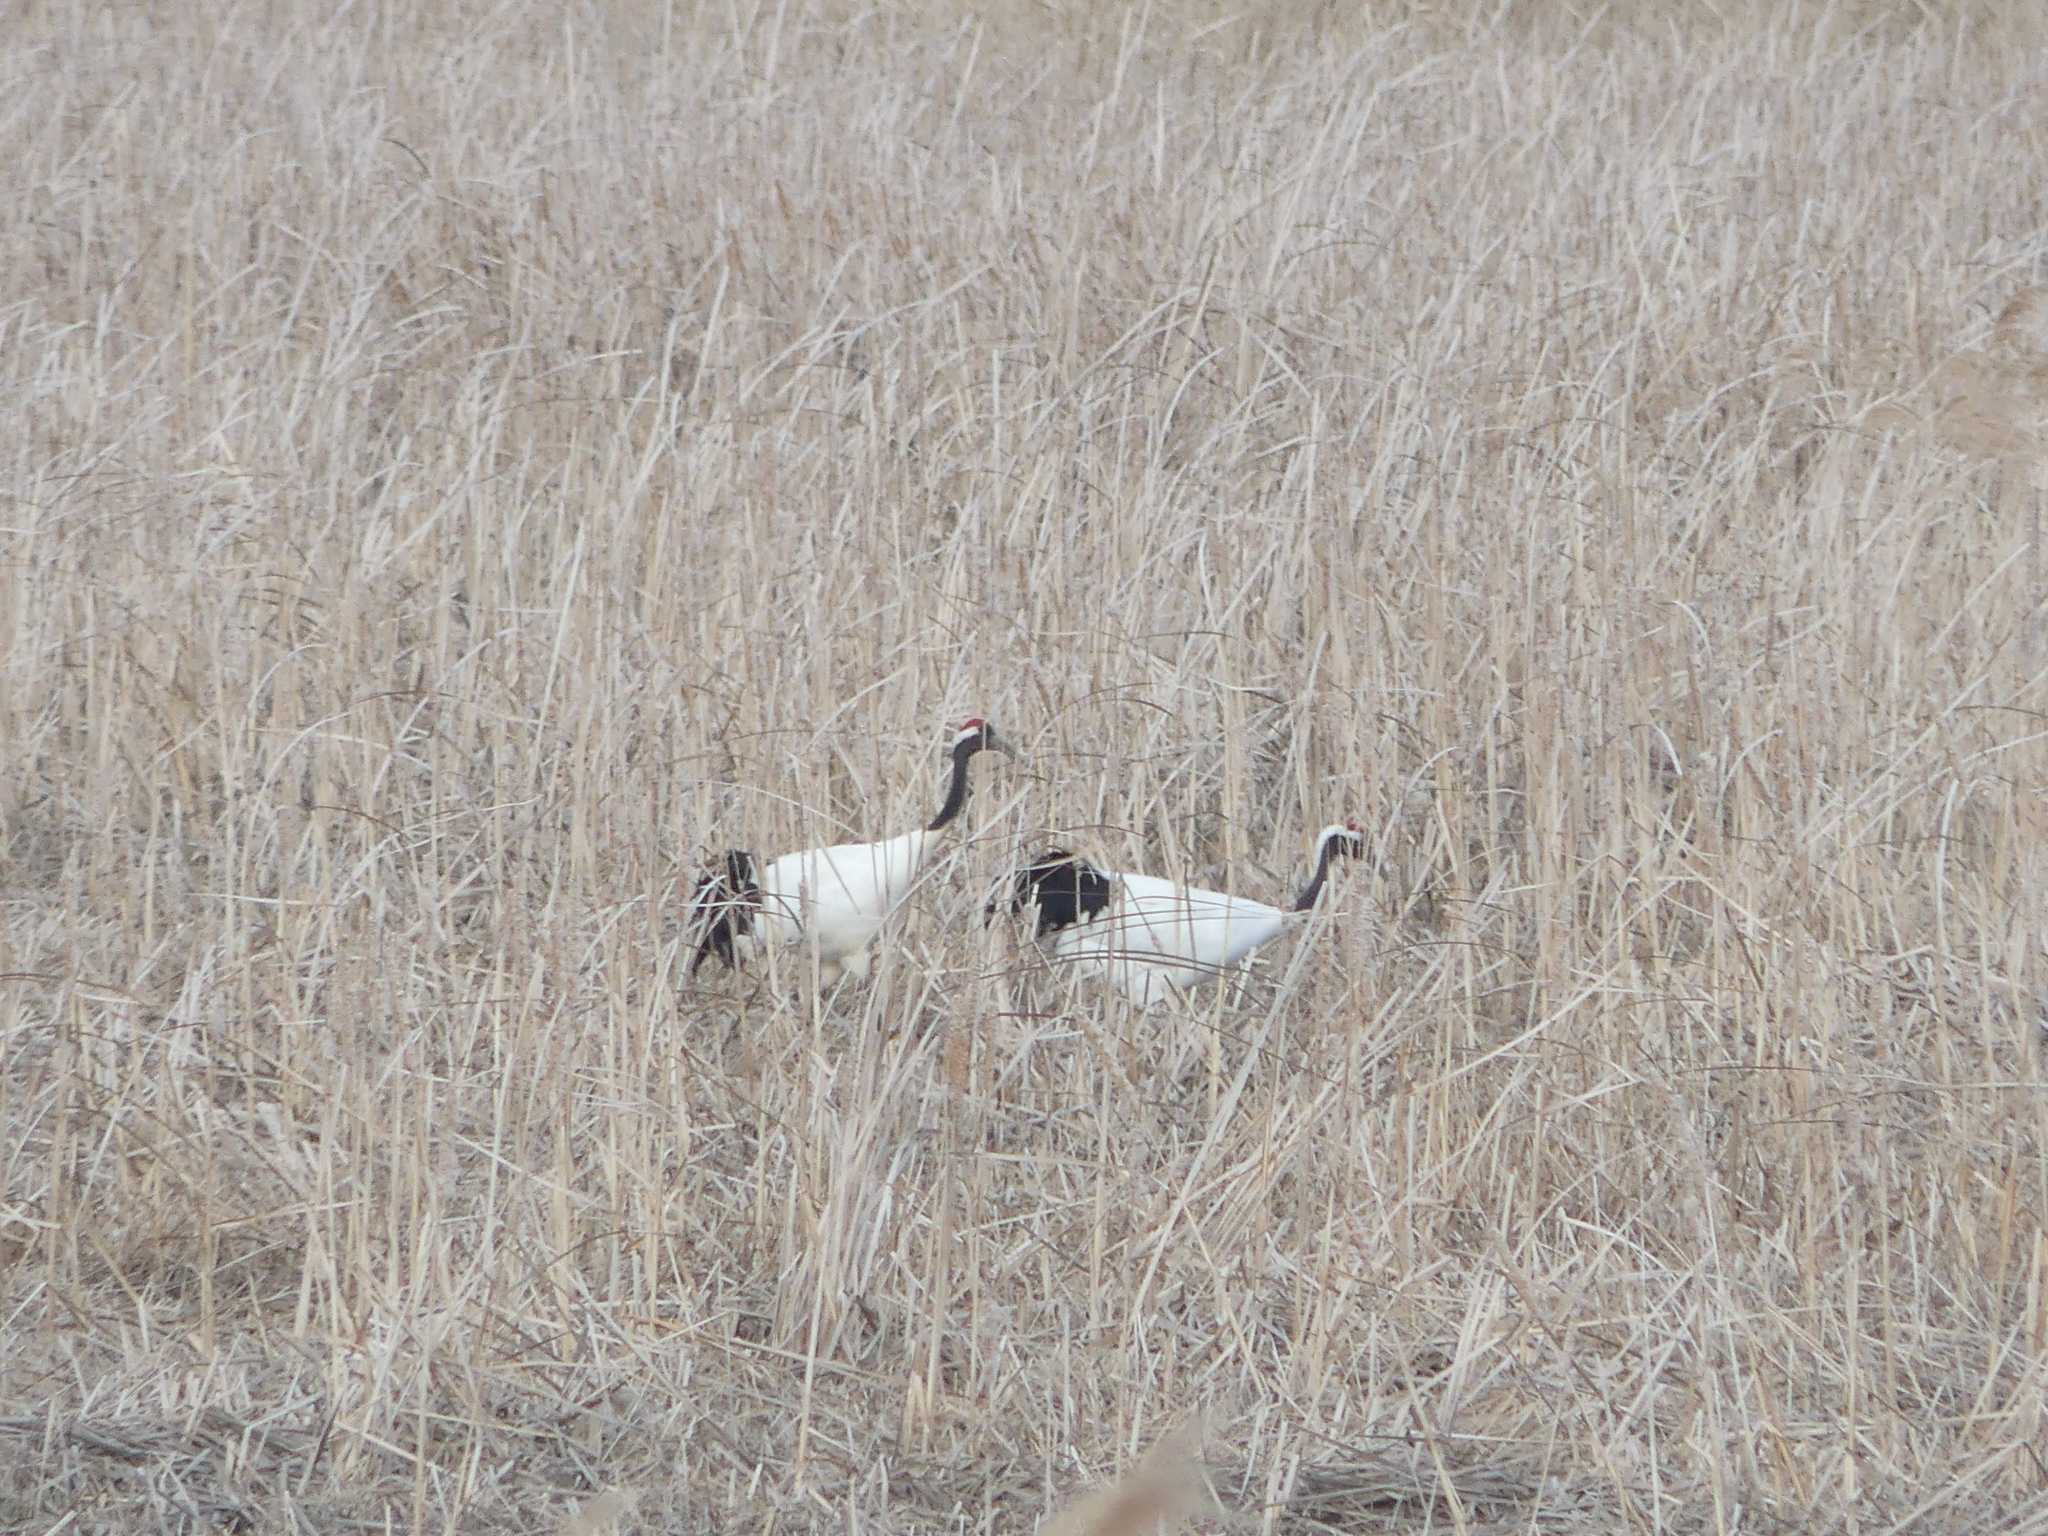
x=956 y=787
x=1331 y=848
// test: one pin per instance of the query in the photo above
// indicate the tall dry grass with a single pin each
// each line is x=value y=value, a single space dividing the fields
x=464 y=462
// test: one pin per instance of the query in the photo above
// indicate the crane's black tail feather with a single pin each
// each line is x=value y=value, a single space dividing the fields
x=722 y=910
x=1064 y=888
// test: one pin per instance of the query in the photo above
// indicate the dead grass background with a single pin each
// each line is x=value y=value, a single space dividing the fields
x=463 y=462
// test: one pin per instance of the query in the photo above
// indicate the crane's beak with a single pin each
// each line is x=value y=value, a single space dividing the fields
x=1001 y=744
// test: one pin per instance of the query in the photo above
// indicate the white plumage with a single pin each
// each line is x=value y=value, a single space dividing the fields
x=835 y=897
x=1150 y=938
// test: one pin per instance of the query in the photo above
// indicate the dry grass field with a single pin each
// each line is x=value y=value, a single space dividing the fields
x=465 y=464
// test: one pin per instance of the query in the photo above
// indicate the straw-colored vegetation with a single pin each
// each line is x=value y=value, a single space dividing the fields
x=464 y=463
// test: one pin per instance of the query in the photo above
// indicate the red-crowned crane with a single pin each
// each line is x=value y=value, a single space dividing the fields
x=836 y=898
x=1150 y=937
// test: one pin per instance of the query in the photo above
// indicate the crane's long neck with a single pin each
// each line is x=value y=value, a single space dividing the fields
x=1314 y=888
x=956 y=788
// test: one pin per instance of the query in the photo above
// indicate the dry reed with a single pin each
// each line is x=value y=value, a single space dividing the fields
x=465 y=463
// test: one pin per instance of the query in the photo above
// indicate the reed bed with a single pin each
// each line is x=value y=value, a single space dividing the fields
x=466 y=465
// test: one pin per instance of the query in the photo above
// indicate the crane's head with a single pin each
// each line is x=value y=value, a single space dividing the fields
x=974 y=735
x=977 y=735
x=1341 y=842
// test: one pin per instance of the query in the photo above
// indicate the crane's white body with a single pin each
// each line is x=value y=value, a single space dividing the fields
x=1158 y=938
x=833 y=899
x=1153 y=939
x=836 y=898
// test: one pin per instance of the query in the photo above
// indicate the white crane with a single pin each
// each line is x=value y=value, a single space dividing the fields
x=837 y=897
x=1150 y=937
